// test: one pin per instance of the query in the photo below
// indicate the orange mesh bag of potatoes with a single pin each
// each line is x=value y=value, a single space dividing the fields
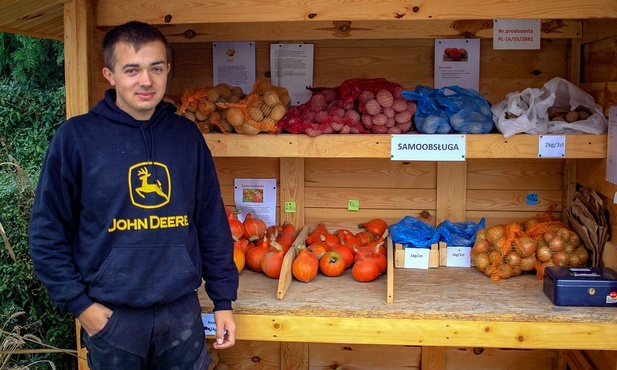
x=260 y=111
x=199 y=105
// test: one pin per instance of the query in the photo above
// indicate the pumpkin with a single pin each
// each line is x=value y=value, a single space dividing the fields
x=380 y=260
x=242 y=244
x=305 y=266
x=236 y=226
x=315 y=235
x=255 y=254
x=346 y=252
x=330 y=239
x=272 y=261
x=318 y=249
x=288 y=235
x=351 y=241
x=239 y=258
x=365 y=237
x=375 y=226
x=332 y=264
x=365 y=270
x=254 y=228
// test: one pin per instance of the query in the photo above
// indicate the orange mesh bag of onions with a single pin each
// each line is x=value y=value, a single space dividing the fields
x=504 y=251
x=260 y=111
x=323 y=113
x=382 y=108
x=199 y=105
x=557 y=245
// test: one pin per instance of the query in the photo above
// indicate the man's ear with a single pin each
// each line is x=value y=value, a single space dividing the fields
x=109 y=76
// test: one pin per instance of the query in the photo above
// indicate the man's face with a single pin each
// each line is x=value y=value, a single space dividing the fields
x=140 y=77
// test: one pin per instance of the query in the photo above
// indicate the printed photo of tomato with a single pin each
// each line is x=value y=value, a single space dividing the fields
x=454 y=55
x=253 y=195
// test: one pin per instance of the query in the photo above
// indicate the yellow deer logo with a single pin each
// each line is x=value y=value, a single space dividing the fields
x=147 y=187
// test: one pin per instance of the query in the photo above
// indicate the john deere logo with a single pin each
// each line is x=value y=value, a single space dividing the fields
x=150 y=185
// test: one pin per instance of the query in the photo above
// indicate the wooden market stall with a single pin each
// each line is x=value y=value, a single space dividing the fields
x=444 y=318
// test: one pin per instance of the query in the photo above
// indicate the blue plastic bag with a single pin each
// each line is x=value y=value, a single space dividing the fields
x=430 y=117
x=460 y=234
x=413 y=233
x=450 y=109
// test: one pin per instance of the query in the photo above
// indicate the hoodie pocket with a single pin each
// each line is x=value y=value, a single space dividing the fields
x=140 y=276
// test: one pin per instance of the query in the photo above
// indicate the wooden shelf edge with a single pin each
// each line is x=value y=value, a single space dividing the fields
x=387 y=331
x=378 y=146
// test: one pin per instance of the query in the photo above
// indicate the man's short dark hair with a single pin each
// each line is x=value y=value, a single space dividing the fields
x=133 y=33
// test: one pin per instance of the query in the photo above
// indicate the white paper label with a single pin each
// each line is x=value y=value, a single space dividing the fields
x=428 y=148
x=516 y=34
x=457 y=62
x=234 y=64
x=551 y=146
x=209 y=325
x=417 y=258
x=458 y=256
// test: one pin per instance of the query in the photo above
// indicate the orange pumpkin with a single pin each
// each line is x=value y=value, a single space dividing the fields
x=332 y=264
x=376 y=227
x=305 y=266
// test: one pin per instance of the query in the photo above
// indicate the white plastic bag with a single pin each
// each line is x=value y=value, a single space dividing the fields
x=522 y=112
x=571 y=96
x=527 y=111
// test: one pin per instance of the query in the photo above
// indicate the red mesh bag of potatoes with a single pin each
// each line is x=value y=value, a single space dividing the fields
x=382 y=107
x=324 y=113
x=358 y=106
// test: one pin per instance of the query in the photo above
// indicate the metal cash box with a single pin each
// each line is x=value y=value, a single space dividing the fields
x=581 y=286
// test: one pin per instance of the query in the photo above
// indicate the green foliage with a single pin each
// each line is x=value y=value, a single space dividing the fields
x=30 y=117
x=21 y=290
x=32 y=106
x=32 y=61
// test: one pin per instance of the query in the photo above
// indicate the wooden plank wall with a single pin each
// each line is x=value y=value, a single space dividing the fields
x=599 y=77
x=302 y=356
x=496 y=190
x=408 y=62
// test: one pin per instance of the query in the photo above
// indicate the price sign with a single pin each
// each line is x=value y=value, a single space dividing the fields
x=551 y=146
x=290 y=207
x=209 y=324
x=532 y=199
x=353 y=205
x=417 y=258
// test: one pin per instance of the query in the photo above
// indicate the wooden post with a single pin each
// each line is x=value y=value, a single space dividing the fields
x=78 y=52
x=451 y=191
x=292 y=190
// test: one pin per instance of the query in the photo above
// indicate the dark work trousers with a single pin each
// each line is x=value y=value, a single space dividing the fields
x=168 y=337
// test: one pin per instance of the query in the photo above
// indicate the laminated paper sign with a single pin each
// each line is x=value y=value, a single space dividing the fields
x=257 y=197
x=234 y=64
x=457 y=62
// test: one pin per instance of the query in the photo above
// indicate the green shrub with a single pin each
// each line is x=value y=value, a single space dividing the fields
x=28 y=119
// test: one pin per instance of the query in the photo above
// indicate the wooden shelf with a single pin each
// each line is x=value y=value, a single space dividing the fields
x=378 y=146
x=435 y=307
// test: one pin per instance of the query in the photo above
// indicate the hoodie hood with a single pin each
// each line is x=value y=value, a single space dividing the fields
x=108 y=109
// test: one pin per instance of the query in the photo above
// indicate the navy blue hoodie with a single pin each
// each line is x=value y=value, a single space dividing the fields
x=129 y=213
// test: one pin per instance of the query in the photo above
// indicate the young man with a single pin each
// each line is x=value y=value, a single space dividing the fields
x=128 y=218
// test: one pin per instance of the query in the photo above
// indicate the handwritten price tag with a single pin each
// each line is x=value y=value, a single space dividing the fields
x=551 y=146
x=353 y=205
x=290 y=207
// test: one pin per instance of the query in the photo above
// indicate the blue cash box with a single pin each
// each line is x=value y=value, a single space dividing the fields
x=581 y=286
